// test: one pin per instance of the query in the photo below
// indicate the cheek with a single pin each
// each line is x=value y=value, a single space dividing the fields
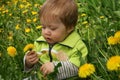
x=59 y=36
x=42 y=33
x=56 y=35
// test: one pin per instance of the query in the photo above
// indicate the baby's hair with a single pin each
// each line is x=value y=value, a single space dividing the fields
x=64 y=10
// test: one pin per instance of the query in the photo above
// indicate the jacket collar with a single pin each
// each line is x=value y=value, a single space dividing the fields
x=70 y=41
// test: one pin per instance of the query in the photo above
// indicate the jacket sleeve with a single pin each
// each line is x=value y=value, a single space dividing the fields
x=67 y=70
x=79 y=53
x=26 y=69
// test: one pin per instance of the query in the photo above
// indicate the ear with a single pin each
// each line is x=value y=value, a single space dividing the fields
x=70 y=29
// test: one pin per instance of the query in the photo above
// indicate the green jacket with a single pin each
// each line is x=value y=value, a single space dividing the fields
x=73 y=46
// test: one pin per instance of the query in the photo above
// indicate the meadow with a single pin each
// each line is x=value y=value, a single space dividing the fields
x=98 y=25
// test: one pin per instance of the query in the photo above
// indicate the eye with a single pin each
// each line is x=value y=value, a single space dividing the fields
x=53 y=29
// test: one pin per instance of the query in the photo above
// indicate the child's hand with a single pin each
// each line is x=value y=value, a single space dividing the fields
x=47 y=68
x=31 y=59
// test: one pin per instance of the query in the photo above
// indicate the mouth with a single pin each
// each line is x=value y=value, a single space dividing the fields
x=50 y=41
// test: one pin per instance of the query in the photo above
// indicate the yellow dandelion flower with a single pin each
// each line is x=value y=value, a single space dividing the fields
x=87 y=26
x=85 y=22
x=34 y=12
x=27 y=30
x=102 y=17
x=83 y=15
x=11 y=51
x=2 y=7
x=35 y=19
x=10 y=14
x=28 y=5
x=10 y=37
x=86 y=70
x=5 y=11
x=17 y=27
x=112 y=40
x=28 y=20
x=8 y=2
x=117 y=34
x=24 y=1
x=36 y=5
x=21 y=6
x=28 y=47
x=25 y=11
x=14 y=1
x=38 y=27
x=113 y=63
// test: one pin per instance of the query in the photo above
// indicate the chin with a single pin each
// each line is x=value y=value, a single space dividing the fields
x=51 y=42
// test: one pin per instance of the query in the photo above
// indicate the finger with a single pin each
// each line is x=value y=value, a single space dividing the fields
x=31 y=52
x=42 y=68
x=45 y=73
x=33 y=56
x=34 y=60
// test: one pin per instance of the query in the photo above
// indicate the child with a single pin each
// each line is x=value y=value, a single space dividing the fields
x=59 y=42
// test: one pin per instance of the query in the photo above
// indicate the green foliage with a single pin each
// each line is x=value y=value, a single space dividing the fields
x=97 y=30
x=53 y=74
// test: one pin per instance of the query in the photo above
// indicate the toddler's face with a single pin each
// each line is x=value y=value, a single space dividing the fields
x=54 y=31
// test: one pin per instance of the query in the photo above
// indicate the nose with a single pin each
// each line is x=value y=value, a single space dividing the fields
x=46 y=31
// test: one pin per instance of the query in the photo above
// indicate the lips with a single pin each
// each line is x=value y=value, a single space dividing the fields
x=48 y=39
